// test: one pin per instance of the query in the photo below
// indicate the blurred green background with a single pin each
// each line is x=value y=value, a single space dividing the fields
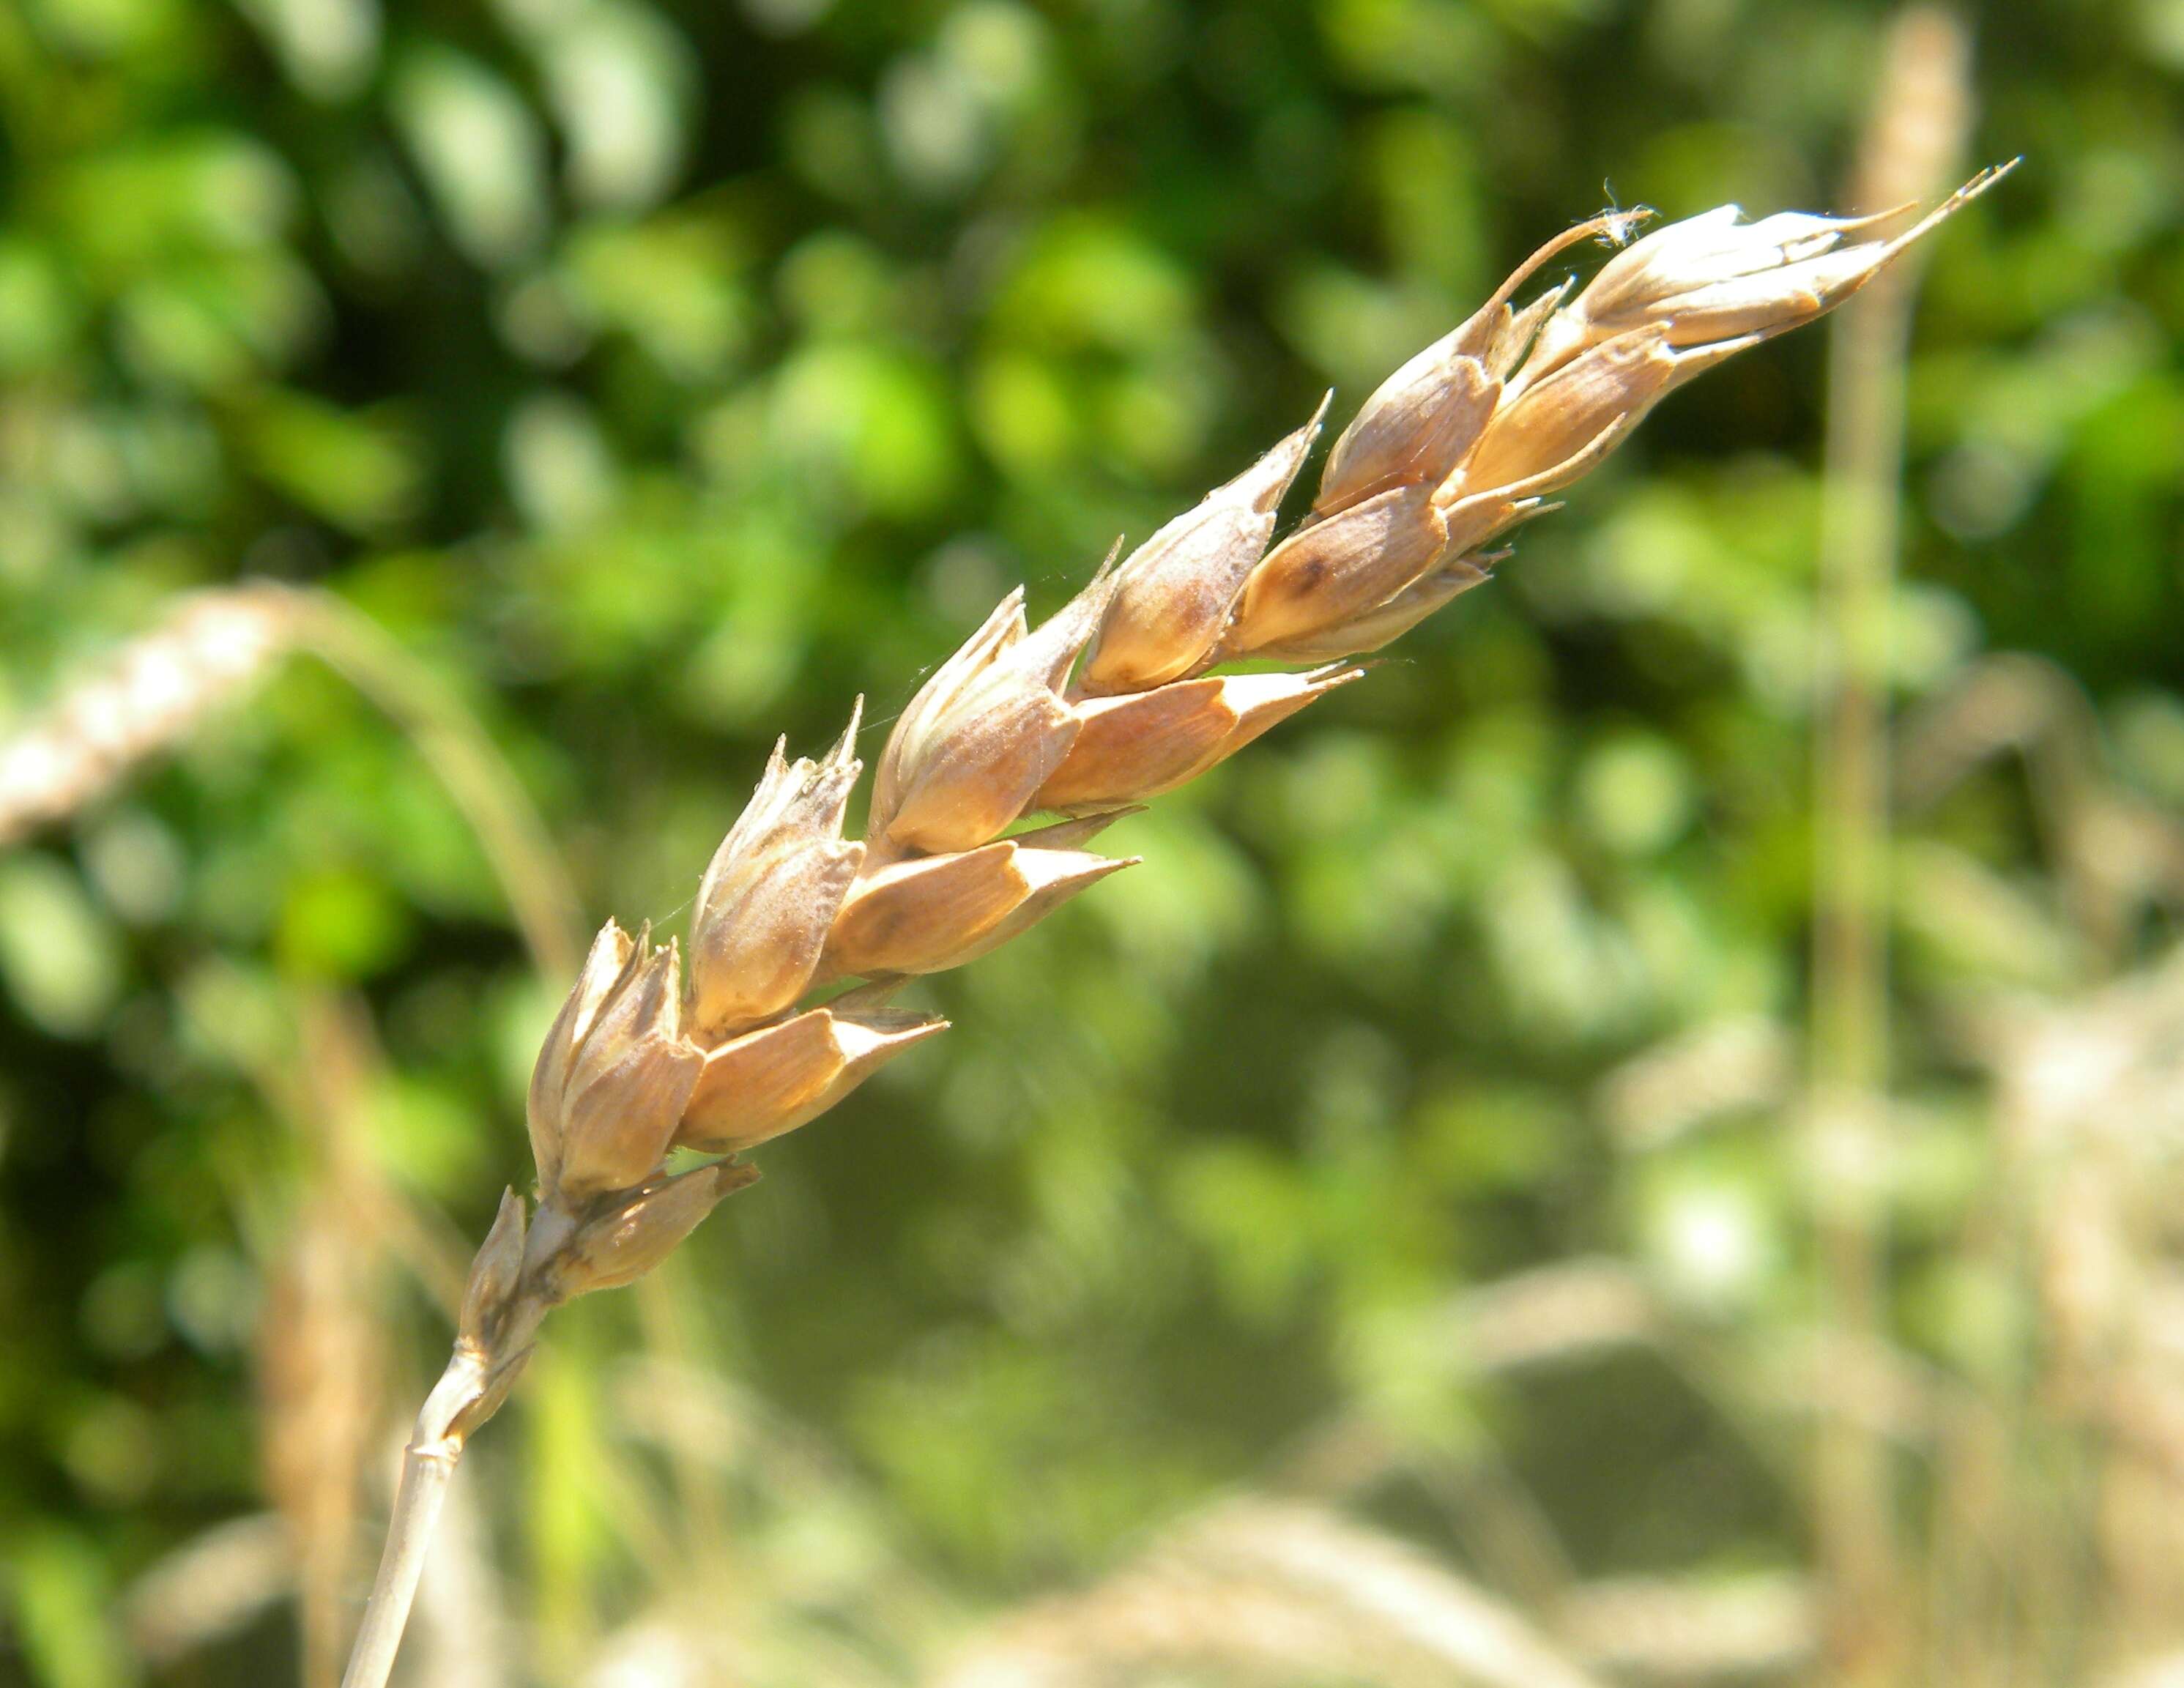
x=660 y=373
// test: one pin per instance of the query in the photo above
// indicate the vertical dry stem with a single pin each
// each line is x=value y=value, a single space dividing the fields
x=1850 y=1038
x=321 y=1343
x=1917 y=131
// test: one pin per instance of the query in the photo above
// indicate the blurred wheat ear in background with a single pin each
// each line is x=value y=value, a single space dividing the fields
x=211 y=649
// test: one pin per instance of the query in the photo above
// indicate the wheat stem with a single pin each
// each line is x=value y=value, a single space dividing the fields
x=1850 y=1035
x=428 y=1467
x=478 y=1376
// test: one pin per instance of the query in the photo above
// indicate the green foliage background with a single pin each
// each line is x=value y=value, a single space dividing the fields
x=664 y=373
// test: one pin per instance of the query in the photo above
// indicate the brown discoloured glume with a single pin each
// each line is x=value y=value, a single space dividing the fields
x=1336 y=568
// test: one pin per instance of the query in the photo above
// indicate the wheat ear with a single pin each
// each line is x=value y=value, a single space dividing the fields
x=1108 y=703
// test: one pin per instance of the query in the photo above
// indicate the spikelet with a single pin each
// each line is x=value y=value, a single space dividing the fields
x=765 y=1082
x=148 y=699
x=773 y=888
x=615 y=1071
x=1713 y=276
x=1424 y=418
x=1138 y=746
x=643 y=1226
x=1385 y=623
x=1174 y=593
x=1543 y=435
x=1337 y=569
x=986 y=729
x=939 y=911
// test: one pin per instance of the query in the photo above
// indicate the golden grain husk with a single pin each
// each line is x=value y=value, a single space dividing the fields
x=1173 y=594
x=771 y=892
x=765 y=1083
x=615 y=1072
x=1136 y=747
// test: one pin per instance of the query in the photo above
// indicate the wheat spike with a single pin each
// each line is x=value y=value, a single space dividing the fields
x=1460 y=445
x=1102 y=706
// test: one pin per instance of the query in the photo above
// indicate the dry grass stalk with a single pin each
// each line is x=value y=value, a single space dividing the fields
x=2113 y=852
x=320 y=1380
x=1684 y=1630
x=1264 y=1591
x=216 y=1585
x=2166 y=1671
x=1562 y=1314
x=2092 y=1099
x=812 y=1587
x=321 y=1346
x=1730 y=1066
x=454 y=745
x=1099 y=707
x=1921 y=116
